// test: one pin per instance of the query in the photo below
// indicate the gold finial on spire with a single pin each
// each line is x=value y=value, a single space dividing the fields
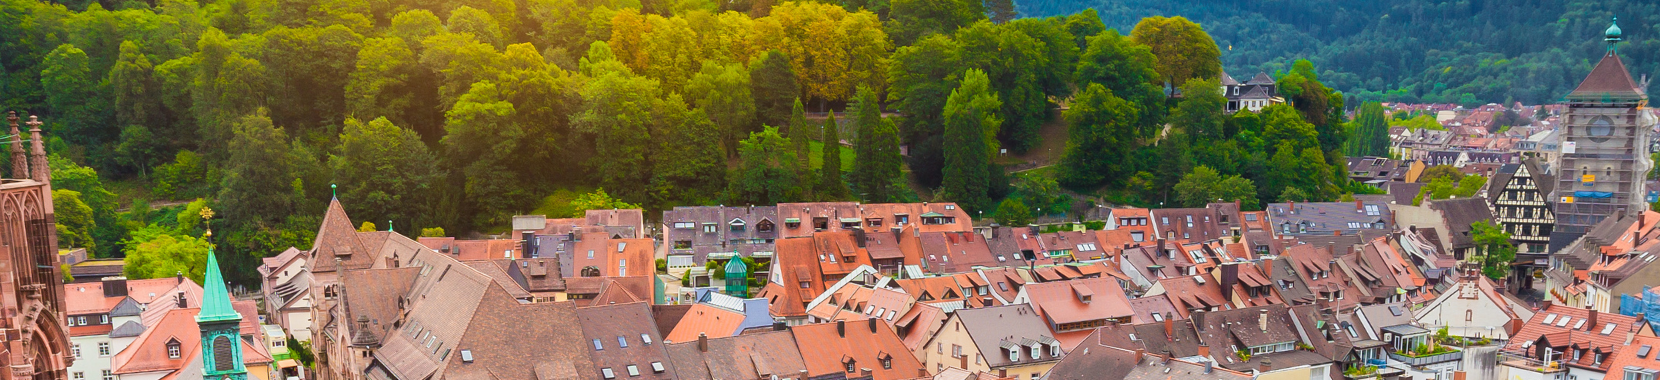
x=207 y=216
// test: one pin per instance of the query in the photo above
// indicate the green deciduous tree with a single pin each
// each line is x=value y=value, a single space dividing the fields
x=913 y=19
x=1012 y=212
x=1200 y=110
x=1183 y=48
x=877 y=165
x=687 y=164
x=260 y=181
x=1128 y=69
x=1496 y=249
x=385 y=172
x=616 y=111
x=772 y=85
x=970 y=112
x=723 y=93
x=1204 y=185
x=154 y=253
x=74 y=220
x=767 y=173
x=1101 y=130
x=599 y=200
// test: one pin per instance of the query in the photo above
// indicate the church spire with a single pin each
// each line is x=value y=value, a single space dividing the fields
x=20 y=160
x=37 y=154
x=216 y=301
x=221 y=328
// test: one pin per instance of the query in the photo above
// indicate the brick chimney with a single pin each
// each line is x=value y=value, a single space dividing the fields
x=1139 y=355
x=1264 y=366
x=1230 y=276
x=1591 y=321
x=702 y=342
x=1169 y=326
x=1204 y=350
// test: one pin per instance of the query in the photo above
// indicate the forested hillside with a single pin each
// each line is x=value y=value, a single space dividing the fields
x=1463 y=51
x=449 y=117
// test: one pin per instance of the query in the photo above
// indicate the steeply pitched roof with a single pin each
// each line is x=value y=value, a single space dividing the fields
x=1609 y=78
x=1228 y=80
x=1060 y=303
x=1261 y=78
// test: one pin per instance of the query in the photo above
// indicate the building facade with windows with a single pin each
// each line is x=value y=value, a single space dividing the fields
x=1604 y=161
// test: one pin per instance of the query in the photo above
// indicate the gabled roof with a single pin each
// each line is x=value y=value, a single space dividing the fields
x=1608 y=79
x=337 y=245
x=993 y=329
x=148 y=352
x=1228 y=80
x=1060 y=303
x=1261 y=78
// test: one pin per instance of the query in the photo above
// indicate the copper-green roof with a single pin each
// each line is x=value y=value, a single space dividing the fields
x=216 y=301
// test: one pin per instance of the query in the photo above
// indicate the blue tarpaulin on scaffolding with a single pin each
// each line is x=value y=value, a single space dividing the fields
x=1646 y=303
x=1593 y=194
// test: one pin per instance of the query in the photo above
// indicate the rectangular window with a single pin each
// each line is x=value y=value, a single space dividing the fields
x=75 y=350
x=104 y=319
x=109 y=375
x=103 y=349
x=684 y=225
x=80 y=376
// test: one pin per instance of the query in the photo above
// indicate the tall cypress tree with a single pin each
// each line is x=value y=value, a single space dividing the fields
x=969 y=111
x=831 y=186
x=801 y=136
x=876 y=150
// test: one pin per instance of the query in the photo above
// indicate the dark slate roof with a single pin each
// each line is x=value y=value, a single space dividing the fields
x=1097 y=358
x=1261 y=78
x=128 y=330
x=128 y=307
x=1258 y=92
x=1459 y=214
x=1403 y=192
x=1228 y=80
x=1608 y=78
x=1323 y=218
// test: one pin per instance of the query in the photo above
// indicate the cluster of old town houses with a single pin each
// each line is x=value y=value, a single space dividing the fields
x=1377 y=287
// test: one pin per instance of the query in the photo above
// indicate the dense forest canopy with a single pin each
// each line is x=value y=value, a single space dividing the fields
x=1455 y=51
x=455 y=115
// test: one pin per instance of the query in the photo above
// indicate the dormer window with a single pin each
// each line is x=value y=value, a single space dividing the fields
x=1014 y=355
x=1037 y=352
x=173 y=349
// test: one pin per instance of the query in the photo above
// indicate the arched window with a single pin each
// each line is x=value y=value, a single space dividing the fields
x=590 y=272
x=224 y=358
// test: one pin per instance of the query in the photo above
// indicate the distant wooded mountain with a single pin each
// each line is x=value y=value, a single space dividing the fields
x=1469 y=51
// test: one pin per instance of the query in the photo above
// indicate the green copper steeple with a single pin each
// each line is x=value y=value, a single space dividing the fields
x=221 y=328
x=216 y=301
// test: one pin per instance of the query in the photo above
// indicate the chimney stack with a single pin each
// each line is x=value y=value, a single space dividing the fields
x=778 y=326
x=702 y=342
x=1139 y=355
x=1262 y=319
x=1230 y=276
x=841 y=329
x=1264 y=366
x=1204 y=350
x=1198 y=319
x=1591 y=321
x=179 y=297
x=1208 y=366
x=1359 y=207
x=1169 y=326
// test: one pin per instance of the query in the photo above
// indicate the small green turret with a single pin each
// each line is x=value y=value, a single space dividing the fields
x=1613 y=35
x=737 y=278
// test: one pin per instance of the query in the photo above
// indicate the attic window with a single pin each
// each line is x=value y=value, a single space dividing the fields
x=657 y=367
x=1550 y=318
x=622 y=342
x=684 y=225
x=646 y=339
x=1607 y=329
x=950 y=207
x=621 y=245
x=598 y=346
x=606 y=373
x=466 y=356
x=173 y=349
x=633 y=371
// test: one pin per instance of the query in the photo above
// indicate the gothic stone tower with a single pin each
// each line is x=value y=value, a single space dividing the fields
x=1604 y=157
x=32 y=332
x=221 y=328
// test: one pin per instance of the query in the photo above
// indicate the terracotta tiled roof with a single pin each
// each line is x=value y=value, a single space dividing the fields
x=748 y=356
x=1578 y=329
x=1186 y=293
x=498 y=332
x=828 y=348
x=148 y=352
x=624 y=335
x=1060 y=303
x=337 y=244
x=705 y=320
x=1609 y=78
x=919 y=325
